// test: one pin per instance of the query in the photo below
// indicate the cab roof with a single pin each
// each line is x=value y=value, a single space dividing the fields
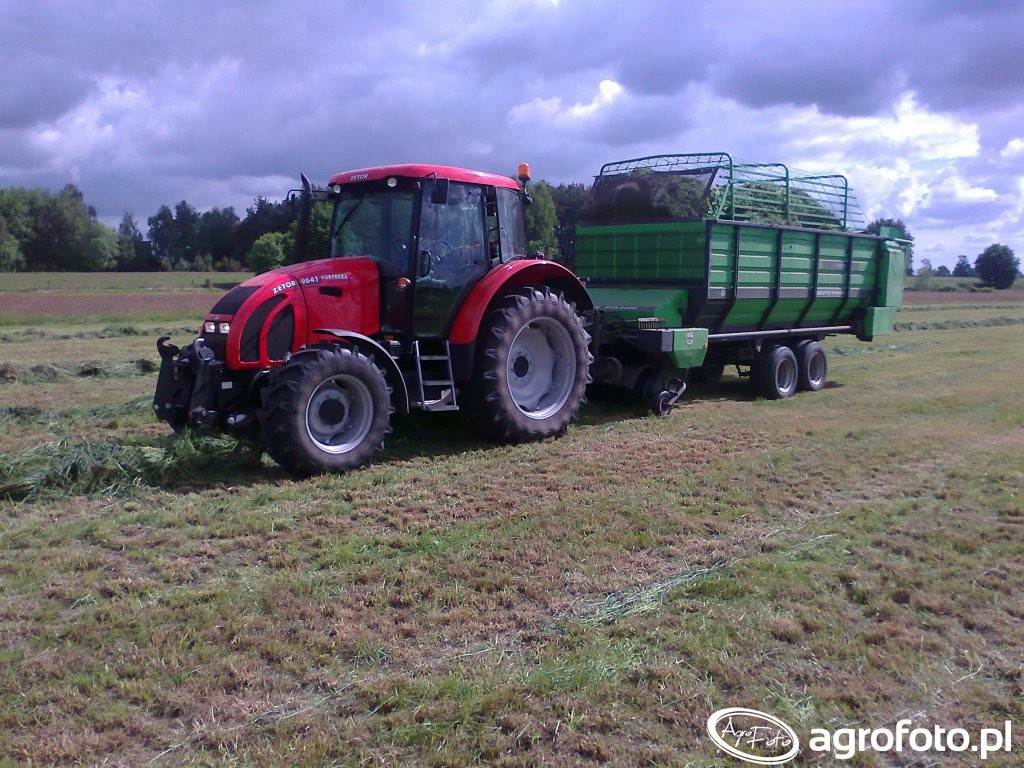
x=419 y=171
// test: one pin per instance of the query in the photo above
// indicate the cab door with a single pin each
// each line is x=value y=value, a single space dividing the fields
x=452 y=253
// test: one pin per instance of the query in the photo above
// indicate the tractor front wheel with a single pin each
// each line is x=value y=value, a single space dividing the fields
x=326 y=409
x=533 y=366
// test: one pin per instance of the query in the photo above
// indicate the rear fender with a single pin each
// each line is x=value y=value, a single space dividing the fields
x=514 y=274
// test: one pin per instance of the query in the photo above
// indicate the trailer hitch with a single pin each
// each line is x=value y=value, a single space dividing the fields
x=166 y=350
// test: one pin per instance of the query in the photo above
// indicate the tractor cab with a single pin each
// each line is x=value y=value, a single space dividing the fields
x=432 y=231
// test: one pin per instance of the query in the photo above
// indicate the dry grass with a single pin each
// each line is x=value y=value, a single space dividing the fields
x=839 y=559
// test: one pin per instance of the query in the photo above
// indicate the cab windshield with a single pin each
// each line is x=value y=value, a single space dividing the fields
x=376 y=224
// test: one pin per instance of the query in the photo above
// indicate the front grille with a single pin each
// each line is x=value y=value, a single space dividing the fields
x=280 y=334
x=250 y=345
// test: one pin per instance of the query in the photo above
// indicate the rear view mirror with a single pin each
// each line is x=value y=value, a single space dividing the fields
x=439 y=192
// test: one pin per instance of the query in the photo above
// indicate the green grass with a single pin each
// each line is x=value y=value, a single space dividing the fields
x=843 y=558
x=21 y=282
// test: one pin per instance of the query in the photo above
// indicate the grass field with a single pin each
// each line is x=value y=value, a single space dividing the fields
x=118 y=282
x=842 y=559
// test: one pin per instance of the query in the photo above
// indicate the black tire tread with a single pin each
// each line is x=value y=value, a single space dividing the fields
x=281 y=416
x=497 y=416
x=804 y=352
x=763 y=372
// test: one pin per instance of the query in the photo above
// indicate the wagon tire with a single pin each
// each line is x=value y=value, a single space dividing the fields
x=775 y=372
x=533 y=367
x=327 y=408
x=812 y=365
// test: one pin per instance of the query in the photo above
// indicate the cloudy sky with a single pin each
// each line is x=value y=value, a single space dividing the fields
x=148 y=102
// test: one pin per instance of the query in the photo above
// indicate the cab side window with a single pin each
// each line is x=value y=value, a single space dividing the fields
x=510 y=218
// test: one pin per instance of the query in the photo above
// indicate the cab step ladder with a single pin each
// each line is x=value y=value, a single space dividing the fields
x=435 y=379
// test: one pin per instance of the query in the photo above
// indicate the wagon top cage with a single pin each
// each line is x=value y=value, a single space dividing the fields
x=714 y=186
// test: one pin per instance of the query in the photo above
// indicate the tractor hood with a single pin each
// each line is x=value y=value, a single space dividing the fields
x=257 y=323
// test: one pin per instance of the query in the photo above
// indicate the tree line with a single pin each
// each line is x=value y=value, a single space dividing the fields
x=997 y=266
x=60 y=232
x=43 y=231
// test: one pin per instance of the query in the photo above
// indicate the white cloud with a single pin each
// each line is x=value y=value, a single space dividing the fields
x=551 y=110
x=961 y=190
x=1013 y=148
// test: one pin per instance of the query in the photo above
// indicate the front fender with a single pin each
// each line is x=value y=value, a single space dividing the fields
x=514 y=274
x=371 y=347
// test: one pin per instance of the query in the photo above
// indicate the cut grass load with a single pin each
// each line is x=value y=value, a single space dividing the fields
x=841 y=559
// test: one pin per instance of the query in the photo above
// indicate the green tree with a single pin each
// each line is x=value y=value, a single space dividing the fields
x=163 y=236
x=97 y=249
x=942 y=271
x=569 y=200
x=69 y=238
x=267 y=252
x=15 y=226
x=132 y=250
x=262 y=217
x=541 y=220
x=963 y=267
x=318 y=244
x=903 y=233
x=997 y=266
x=186 y=220
x=216 y=237
x=11 y=258
x=43 y=231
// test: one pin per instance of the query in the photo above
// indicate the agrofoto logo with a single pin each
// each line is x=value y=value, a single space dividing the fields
x=763 y=739
x=753 y=736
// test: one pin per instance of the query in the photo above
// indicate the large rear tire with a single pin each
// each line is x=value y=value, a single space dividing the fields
x=813 y=366
x=326 y=409
x=533 y=367
x=775 y=372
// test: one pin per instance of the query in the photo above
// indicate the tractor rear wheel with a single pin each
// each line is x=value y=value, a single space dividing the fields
x=775 y=372
x=533 y=366
x=326 y=409
x=813 y=366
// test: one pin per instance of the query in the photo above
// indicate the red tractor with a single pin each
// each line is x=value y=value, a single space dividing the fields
x=428 y=300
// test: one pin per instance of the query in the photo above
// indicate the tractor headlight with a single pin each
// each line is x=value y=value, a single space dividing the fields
x=224 y=328
x=209 y=327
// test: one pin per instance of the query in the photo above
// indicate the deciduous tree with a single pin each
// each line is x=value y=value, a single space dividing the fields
x=963 y=267
x=997 y=266
x=267 y=252
x=540 y=221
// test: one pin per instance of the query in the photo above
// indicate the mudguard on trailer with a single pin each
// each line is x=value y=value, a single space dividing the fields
x=515 y=274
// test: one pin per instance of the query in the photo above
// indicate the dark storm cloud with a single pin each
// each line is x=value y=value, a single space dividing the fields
x=144 y=103
x=34 y=90
x=853 y=58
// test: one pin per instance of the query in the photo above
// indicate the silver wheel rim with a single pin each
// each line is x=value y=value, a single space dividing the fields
x=541 y=367
x=786 y=376
x=339 y=414
x=816 y=370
